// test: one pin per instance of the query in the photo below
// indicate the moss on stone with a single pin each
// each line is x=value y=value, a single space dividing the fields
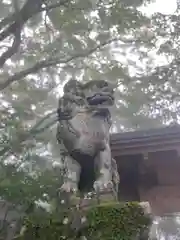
x=116 y=221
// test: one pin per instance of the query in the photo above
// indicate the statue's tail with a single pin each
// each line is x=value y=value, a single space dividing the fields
x=87 y=174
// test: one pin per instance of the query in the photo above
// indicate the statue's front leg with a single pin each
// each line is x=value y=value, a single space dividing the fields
x=108 y=179
x=103 y=163
x=71 y=176
x=115 y=177
x=71 y=169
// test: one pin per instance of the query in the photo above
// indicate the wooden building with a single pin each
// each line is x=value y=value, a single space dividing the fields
x=149 y=167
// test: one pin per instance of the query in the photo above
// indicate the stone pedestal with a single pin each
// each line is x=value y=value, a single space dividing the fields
x=149 y=233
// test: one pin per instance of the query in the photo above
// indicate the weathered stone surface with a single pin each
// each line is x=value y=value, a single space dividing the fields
x=83 y=134
x=149 y=233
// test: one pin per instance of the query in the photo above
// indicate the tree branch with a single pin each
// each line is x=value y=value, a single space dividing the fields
x=13 y=49
x=51 y=62
x=17 y=39
x=30 y=8
x=21 y=17
x=38 y=128
x=17 y=21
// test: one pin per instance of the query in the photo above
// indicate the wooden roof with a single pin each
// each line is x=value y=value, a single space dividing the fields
x=145 y=141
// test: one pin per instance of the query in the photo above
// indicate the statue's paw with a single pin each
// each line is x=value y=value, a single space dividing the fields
x=68 y=187
x=103 y=186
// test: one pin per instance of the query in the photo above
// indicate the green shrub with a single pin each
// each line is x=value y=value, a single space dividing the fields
x=47 y=227
x=116 y=221
x=110 y=221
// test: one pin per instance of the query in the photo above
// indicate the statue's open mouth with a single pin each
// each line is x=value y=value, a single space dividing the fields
x=101 y=98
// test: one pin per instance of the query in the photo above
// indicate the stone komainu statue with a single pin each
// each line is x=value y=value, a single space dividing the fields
x=84 y=121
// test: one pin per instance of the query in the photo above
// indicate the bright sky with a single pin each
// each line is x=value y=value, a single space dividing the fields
x=162 y=6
